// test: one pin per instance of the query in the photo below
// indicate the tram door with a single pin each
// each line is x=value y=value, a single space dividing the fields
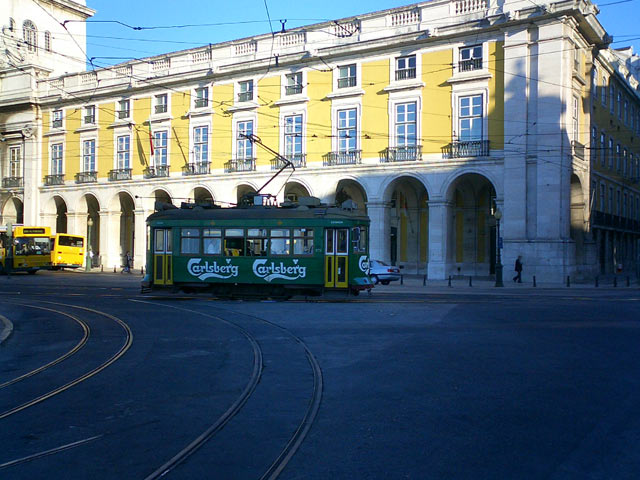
x=336 y=250
x=162 y=263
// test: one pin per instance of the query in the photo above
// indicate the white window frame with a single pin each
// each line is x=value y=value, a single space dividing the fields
x=286 y=76
x=199 y=100
x=239 y=90
x=123 y=155
x=407 y=58
x=198 y=155
x=89 y=115
x=356 y=75
x=47 y=41
x=156 y=103
x=54 y=114
x=237 y=120
x=415 y=123
x=603 y=90
x=456 y=58
x=15 y=161
x=120 y=109
x=84 y=142
x=56 y=164
x=575 y=119
x=30 y=36
x=400 y=97
x=156 y=135
x=292 y=135
x=457 y=94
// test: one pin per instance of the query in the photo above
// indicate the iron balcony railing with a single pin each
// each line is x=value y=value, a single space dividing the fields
x=245 y=96
x=299 y=160
x=56 y=123
x=578 y=149
x=240 y=165
x=408 y=153
x=89 y=119
x=196 y=168
x=119 y=174
x=469 y=65
x=86 y=177
x=293 y=89
x=12 y=182
x=201 y=102
x=473 y=148
x=157 y=171
x=405 y=73
x=602 y=219
x=57 y=179
x=123 y=114
x=161 y=108
x=341 y=158
x=346 y=82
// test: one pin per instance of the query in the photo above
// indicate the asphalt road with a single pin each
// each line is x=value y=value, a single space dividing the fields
x=98 y=381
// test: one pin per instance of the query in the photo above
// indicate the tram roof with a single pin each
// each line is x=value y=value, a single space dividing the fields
x=257 y=213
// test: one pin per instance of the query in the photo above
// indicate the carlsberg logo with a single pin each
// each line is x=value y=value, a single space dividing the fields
x=272 y=270
x=211 y=270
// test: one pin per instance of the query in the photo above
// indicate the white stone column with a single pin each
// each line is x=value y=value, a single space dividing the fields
x=378 y=231
x=140 y=236
x=49 y=220
x=110 y=239
x=439 y=233
x=77 y=223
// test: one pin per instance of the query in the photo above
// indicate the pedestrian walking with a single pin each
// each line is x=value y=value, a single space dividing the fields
x=518 y=269
x=127 y=263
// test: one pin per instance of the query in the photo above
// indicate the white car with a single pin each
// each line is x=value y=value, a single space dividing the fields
x=382 y=273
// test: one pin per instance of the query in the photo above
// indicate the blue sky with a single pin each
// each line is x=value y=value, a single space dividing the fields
x=113 y=43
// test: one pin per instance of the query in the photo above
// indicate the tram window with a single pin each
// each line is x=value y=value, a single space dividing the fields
x=280 y=242
x=159 y=241
x=190 y=240
x=360 y=244
x=234 y=242
x=257 y=242
x=212 y=241
x=303 y=241
x=343 y=234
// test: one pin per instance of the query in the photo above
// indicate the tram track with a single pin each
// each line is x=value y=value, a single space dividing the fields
x=300 y=433
x=113 y=358
x=85 y=336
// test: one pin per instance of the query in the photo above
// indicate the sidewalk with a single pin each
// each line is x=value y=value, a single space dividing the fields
x=417 y=284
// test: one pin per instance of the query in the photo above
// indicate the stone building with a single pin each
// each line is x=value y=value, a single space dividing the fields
x=430 y=118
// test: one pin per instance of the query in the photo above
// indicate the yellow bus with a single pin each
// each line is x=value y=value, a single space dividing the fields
x=30 y=249
x=67 y=251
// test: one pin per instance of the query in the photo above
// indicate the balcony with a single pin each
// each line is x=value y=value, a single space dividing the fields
x=161 y=108
x=473 y=148
x=401 y=154
x=240 y=165
x=341 y=158
x=196 y=168
x=50 y=180
x=201 y=102
x=89 y=119
x=123 y=114
x=577 y=149
x=56 y=123
x=86 y=177
x=602 y=219
x=156 y=172
x=245 y=96
x=346 y=82
x=470 y=65
x=12 y=182
x=405 y=73
x=293 y=89
x=119 y=174
x=299 y=160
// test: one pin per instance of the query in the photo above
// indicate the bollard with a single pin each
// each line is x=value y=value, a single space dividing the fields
x=615 y=281
x=597 y=281
x=470 y=281
x=449 y=280
x=114 y=269
x=628 y=281
x=424 y=281
x=142 y=271
x=568 y=281
x=534 y=281
x=101 y=268
x=401 y=279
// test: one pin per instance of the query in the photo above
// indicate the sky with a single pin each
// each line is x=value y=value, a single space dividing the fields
x=110 y=42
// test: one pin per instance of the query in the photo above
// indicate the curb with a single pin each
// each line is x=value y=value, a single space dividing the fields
x=7 y=328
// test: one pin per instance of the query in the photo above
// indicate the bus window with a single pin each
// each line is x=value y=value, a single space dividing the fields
x=303 y=241
x=280 y=241
x=257 y=242
x=212 y=241
x=234 y=242
x=68 y=241
x=32 y=246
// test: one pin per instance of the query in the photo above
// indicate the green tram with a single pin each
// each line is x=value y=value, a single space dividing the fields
x=258 y=250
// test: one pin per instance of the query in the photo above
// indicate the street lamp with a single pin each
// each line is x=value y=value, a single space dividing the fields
x=89 y=225
x=498 y=216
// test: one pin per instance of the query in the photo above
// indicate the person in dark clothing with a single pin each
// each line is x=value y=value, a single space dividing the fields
x=518 y=268
x=127 y=263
